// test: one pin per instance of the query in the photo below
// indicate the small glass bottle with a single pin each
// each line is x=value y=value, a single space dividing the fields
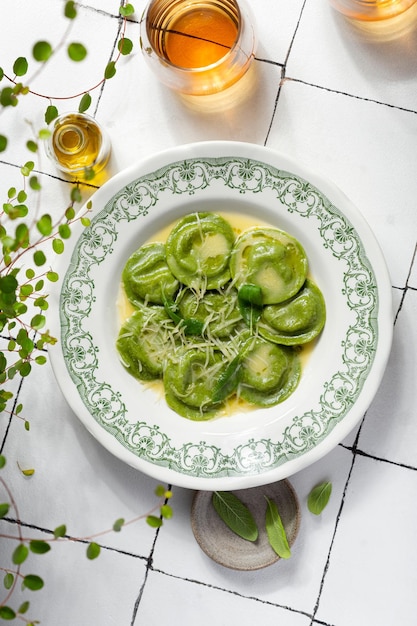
x=372 y=10
x=78 y=145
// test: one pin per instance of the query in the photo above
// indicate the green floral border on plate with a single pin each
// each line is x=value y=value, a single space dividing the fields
x=146 y=440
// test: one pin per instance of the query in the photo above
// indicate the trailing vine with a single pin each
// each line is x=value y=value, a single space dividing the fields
x=26 y=233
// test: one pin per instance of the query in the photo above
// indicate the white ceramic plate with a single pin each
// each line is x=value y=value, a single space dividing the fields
x=339 y=379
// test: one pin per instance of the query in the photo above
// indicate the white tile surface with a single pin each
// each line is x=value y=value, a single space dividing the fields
x=372 y=550
x=347 y=109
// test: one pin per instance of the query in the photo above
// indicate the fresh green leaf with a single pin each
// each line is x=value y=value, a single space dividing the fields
x=70 y=10
x=51 y=113
x=20 y=66
x=275 y=530
x=32 y=582
x=41 y=51
x=118 y=524
x=38 y=321
x=85 y=103
x=127 y=10
x=7 y=613
x=38 y=546
x=235 y=514
x=110 y=70
x=32 y=145
x=39 y=258
x=23 y=608
x=153 y=521
x=20 y=554
x=125 y=46
x=2 y=461
x=52 y=276
x=166 y=511
x=60 y=531
x=44 y=225
x=58 y=246
x=93 y=550
x=8 y=580
x=76 y=51
x=4 y=509
x=318 y=497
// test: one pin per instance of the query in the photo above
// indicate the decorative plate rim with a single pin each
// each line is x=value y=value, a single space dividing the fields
x=240 y=170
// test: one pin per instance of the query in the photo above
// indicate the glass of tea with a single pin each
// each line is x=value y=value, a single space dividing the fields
x=78 y=145
x=198 y=47
x=372 y=10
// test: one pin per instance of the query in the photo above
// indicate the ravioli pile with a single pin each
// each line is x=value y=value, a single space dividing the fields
x=219 y=316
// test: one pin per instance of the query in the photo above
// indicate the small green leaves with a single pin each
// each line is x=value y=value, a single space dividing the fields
x=7 y=613
x=2 y=461
x=125 y=46
x=153 y=521
x=44 y=225
x=126 y=10
x=110 y=70
x=39 y=547
x=42 y=51
x=93 y=550
x=275 y=530
x=3 y=143
x=4 y=509
x=84 y=103
x=20 y=66
x=318 y=497
x=51 y=113
x=20 y=554
x=70 y=10
x=60 y=531
x=118 y=525
x=76 y=51
x=32 y=582
x=235 y=515
x=8 y=580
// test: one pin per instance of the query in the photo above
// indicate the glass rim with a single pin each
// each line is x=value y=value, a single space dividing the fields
x=193 y=70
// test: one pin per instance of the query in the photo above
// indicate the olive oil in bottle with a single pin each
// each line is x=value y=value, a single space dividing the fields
x=78 y=145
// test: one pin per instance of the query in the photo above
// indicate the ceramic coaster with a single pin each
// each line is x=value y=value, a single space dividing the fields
x=228 y=549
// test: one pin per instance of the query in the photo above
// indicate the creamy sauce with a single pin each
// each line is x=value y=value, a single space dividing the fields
x=215 y=245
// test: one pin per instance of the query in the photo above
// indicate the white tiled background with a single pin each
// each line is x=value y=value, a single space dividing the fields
x=343 y=101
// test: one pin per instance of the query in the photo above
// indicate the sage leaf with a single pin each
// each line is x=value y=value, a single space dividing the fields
x=235 y=515
x=250 y=303
x=228 y=380
x=275 y=530
x=318 y=497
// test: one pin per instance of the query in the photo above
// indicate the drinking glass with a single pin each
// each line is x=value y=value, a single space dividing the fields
x=198 y=47
x=372 y=10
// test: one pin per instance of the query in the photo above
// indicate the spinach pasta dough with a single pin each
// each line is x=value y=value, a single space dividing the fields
x=198 y=250
x=270 y=259
x=219 y=315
